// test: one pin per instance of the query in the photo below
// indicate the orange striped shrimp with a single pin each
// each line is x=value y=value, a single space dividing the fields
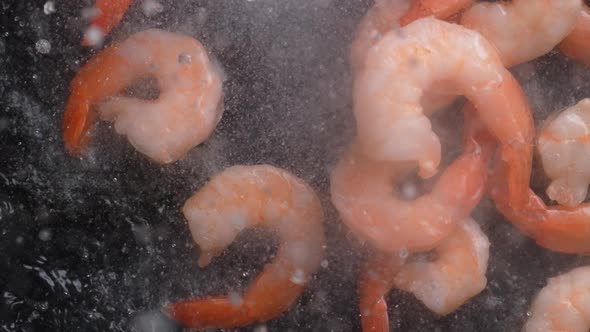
x=523 y=30
x=562 y=146
x=187 y=110
x=391 y=125
x=362 y=192
x=109 y=14
x=443 y=285
x=243 y=197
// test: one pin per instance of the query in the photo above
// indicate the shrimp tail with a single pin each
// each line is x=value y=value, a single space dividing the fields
x=271 y=294
x=375 y=281
x=77 y=122
x=110 y=13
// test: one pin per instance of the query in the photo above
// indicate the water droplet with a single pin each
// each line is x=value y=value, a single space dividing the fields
x=298 y=277
x=49 y=8
x=43 y=46
x=185 y=58
x=19 y=240
x=45 y=234
x=151 y=7
x=260 y=328
x=93 y=36
x=324 y=263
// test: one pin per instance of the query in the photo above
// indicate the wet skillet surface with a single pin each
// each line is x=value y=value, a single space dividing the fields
x=99 y=243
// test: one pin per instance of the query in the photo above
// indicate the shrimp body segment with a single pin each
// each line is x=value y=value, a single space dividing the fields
x=185 y=113
x=564 y=147
x=523 y=30
x=577 y=44
x=362 y=191
x=453 y=277
x=562 y=305
x=109 y=14
x=243 y=197
x=391 y=125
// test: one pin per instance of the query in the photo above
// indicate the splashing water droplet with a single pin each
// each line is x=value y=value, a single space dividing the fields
x=43 y=46
x=94 y=36
x=260 y=328
x=298 y=277
x=49 y=8
x=45 y=235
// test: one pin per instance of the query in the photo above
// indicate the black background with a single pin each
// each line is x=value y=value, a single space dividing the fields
x=99 y=244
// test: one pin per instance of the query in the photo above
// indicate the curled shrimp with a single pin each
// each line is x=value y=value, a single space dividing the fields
x=247 y=196
x=383 y=17
x=564 y=148
x=561 y=146
x=108 y=15
x=563 y=304
x=577 y=44
x=391 y=125
x=362 y=192
x=523 y=30
x=443 y=284
x=186 y=112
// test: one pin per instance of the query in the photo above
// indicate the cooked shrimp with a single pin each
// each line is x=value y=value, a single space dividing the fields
x=565 y=153
x=362 y=192
x=383 y=17
x=577 y=44
x=186 y=112
x=451 y=279
x=247 y=196
x=556 y=228
x=457 y=273
x=390 y=122
x=562 y=305
x=523 y=30
x=108 y=15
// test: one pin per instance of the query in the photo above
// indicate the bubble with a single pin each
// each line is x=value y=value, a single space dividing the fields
x=49 y=8
x=93 y=36
x=45 y=234
x=324 y=263
x=409 y=190
x=43 y=46
x=298 y=277
x=19 y=240
x=151 y=7
x=185 y=58
x=260 y=328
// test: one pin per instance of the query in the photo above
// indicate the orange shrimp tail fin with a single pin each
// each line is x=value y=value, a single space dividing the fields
x=110 y=13
x=375 y=281
x=76 y=123
x=271 y=294
x=437 y=8
x=217 y=312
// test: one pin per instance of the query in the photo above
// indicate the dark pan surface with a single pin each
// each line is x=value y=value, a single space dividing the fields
x=99 y=244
